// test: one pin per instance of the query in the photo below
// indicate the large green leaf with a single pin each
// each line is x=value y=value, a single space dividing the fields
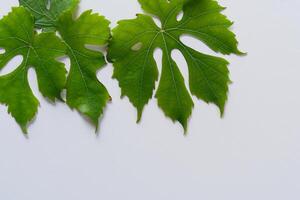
x=17 y=37
x=47 y=12
x=135 y=40
x=84 y=91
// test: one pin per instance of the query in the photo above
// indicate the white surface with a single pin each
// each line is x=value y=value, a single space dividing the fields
x=251 y=154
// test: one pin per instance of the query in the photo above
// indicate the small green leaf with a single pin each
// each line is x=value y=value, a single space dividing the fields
x=134 y=41
x=17 y=37
x=47 y=12
x=84 y=91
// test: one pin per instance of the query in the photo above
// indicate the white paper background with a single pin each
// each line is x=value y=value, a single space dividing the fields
x=253 y=153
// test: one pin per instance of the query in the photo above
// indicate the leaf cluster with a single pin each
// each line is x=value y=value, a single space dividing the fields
x=41 y=31
x=41 y=34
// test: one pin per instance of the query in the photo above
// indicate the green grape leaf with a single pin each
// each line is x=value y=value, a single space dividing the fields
x=84 y=91
x=47 y=12
x=17 y=37
x=134 y=41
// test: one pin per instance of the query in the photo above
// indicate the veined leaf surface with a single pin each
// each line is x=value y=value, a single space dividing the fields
x=47 y=12
x=84 y=91
x=18 y=37
x=134 y=41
